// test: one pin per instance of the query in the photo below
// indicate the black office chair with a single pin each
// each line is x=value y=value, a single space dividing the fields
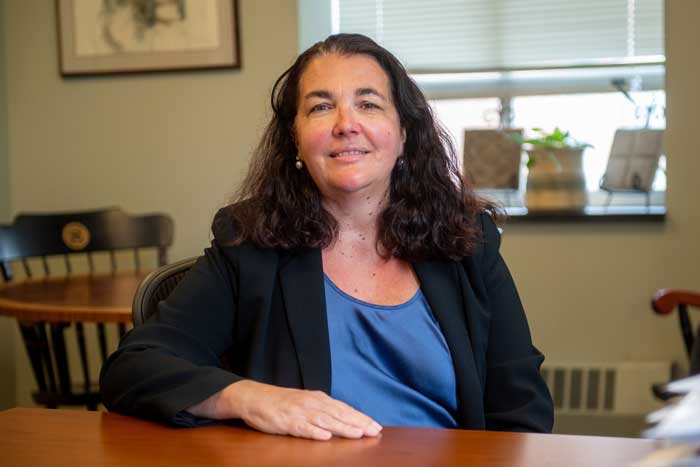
x=663 y=303
x=156 y=287
x=74 y=236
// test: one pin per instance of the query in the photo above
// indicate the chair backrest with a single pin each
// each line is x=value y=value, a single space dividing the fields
x=42 y=235
x=67 y=234
x=492 y=158
x=667 y=300
x=156 y=287
x=634 y=158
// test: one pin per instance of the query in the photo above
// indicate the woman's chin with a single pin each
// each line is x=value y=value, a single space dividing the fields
x=351 y=187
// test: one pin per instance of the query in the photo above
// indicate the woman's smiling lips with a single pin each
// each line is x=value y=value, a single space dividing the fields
x=348 y=153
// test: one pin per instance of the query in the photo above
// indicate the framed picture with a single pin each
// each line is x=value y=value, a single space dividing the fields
x=132 y=36
x=634 y=159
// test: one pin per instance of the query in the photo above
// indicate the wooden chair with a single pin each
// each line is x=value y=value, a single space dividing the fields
x=663 y=303
x=69 y=235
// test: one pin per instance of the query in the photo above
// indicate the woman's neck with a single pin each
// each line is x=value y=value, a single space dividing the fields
x=357 y=220
x=353 y=261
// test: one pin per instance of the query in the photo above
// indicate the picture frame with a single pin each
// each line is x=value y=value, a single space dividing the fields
x=634 y=159
x=117 y=36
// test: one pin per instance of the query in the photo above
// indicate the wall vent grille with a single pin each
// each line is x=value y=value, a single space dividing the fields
x=605 y=387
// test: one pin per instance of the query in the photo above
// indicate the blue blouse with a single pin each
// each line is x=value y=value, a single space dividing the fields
x=390 y=362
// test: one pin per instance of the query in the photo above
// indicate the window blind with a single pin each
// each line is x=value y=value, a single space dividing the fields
x=504 y=35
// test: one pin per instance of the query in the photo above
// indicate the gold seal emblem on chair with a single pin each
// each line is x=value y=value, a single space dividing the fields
x=75 y=235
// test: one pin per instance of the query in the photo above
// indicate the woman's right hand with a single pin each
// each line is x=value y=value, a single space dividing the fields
x=286 y=411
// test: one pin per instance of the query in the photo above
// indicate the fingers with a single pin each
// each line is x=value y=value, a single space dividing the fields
x=306 y=414
x=346 y=416
x=322 y=426
x=335 y=426
x=303 y=429
x=358 y=419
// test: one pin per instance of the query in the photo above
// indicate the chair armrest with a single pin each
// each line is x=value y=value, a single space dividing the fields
x=667 y=300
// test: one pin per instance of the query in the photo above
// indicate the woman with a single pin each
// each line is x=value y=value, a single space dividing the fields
x=356 y=282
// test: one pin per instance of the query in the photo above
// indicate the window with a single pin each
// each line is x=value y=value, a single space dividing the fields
x=608 y=110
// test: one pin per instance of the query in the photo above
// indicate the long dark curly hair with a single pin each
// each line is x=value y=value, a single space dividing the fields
x=431 y=213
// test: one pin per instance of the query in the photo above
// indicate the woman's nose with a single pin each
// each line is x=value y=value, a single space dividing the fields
x=345 y=123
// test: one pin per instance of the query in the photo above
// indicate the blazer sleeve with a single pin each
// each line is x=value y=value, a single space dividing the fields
x=171 y=362
x=516 y=396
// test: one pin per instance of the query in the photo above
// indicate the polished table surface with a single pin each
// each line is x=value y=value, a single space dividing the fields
x=97 y=298
x=42 y=437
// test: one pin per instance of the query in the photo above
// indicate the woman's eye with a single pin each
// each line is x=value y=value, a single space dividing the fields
x=369 y=105
x=319 y=107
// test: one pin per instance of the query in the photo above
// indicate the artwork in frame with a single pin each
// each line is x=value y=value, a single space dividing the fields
x=132 y=36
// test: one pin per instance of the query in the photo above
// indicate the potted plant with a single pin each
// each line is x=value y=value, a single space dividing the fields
x=555 y=177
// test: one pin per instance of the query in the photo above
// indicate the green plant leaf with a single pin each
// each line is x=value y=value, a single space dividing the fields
x=558 y=138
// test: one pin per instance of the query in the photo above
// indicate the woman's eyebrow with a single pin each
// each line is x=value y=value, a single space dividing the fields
x=369 y=91
x=322 y=94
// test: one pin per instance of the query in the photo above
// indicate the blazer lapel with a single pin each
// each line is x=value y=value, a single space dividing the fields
x=440 y=283
x=304 y=297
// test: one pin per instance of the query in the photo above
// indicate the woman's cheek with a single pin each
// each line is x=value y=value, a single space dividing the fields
x=315 y=140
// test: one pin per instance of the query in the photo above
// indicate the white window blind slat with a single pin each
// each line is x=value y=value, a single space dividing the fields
x=649 y=31
x=467 y=35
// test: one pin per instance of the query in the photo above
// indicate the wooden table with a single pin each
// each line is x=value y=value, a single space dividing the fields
x=97 y=298
x=41 y=437
x=46 y=307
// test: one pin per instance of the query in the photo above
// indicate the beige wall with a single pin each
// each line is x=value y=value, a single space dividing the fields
x=178 y=142
x=4 y=154
x=173 y=142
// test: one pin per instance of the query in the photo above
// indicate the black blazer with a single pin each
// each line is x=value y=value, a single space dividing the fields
x=244 y=312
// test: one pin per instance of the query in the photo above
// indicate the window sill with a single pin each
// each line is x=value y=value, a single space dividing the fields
x=623 y=207
x=590 y=214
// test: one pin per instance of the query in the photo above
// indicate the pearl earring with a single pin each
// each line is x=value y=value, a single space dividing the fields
x=299 y=164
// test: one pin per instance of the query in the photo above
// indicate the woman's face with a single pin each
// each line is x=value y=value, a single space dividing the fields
x=347 y=129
